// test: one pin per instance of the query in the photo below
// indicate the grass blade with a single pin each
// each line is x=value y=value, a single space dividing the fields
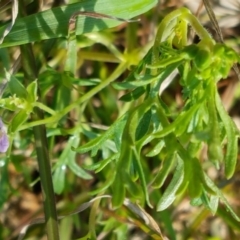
x=54 y=22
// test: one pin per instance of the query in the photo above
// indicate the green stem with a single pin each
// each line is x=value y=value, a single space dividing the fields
x=200 y=30
x=131 y=37
x=92 y=218
x=30 y=72
x=215 y=153
x=119 y=70
x=168 y=26
x=98 y=56
x=44 y=108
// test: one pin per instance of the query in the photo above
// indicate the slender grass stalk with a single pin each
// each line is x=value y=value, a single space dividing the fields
x=42 y=154
x=30 y=73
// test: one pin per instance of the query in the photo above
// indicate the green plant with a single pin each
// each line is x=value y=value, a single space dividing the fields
x=202 y=121
x=145 y=129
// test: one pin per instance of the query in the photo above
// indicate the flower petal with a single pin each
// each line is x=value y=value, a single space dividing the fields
x=4 y=143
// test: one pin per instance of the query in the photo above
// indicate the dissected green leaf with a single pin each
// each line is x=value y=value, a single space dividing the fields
x=98 y=166
x=133 y=188
x=90 y=145
x=139 y=169
x=232 y=138
x=221 y=197
x=133 y=95
x=183 y=120
x=211 y=202
x=134 y=84
x=156 y=119
x=67 y=159
x=167 y=165
x=97 y=142
x=169 y=194
x=180 y=124
x=143 y=124
x=119 y=130
x=78 y=170
x=133 y=130
x=71 y=161
x=157 y=149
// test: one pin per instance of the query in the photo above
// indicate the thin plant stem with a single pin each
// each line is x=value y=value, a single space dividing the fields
x=42 y=156
x=30 y=73
x=213 y=20
x=44 y=108
x=119 y=70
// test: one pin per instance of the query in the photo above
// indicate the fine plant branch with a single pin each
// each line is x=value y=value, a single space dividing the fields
x=53 y=119
x=46 y=179
x=213 y=19
x=51 y=221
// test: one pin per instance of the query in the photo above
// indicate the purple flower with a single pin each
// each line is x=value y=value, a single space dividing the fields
x=4 y=143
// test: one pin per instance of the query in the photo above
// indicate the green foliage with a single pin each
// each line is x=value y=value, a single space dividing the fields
x=146 y=146
x=200 y=67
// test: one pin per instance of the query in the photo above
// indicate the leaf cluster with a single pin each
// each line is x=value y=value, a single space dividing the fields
x=202 y=122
